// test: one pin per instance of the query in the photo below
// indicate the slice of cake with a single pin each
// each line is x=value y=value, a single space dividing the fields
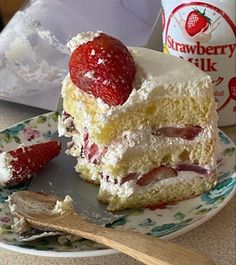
x=143 y=124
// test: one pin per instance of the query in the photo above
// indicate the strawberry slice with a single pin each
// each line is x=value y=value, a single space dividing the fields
x=91 y=151
x=187 y=133
x=103 y=67
x=21 y=164
x=130 y=176
x=156 y=174
x=192 y=167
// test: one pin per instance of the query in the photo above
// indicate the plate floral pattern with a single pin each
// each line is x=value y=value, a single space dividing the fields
x=166 y=222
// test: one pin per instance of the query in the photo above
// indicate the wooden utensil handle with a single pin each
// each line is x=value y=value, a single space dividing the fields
x=147 y=249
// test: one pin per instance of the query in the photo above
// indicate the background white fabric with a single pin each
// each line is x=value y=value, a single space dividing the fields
x=33 y=56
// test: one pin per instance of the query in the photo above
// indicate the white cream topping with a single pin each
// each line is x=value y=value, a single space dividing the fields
x=130 y=187
x=82 y=38
x=5 y=168
x=63 y=207
x=64 y=125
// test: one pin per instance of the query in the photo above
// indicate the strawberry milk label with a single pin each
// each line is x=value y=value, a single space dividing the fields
x=204 y=33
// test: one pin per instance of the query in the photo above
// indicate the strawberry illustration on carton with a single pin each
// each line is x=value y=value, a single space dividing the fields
x=197 y=22
x=204 y=33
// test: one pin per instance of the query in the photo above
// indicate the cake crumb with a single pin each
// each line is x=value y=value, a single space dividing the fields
x=63 y=207
x=20 y=226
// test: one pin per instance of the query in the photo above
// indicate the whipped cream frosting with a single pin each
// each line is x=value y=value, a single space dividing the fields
x=64 y=125
x=82 y=38
x=5 y=168
x=131 y=142
x=130 y=187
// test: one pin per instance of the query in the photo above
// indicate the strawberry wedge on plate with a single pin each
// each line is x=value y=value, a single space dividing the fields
x=19 y=165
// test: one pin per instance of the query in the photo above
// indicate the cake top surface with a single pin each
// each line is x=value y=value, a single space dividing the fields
x=167 y=69
x=158 y=75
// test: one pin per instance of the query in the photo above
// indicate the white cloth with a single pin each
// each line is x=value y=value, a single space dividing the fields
x=33 y=57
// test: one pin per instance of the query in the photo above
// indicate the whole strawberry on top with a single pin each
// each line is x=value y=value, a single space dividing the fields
x=197 y=22
x=19 y=165
x=103 y=67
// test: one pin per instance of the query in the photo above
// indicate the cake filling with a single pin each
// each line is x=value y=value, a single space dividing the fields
x=188 y=132
x=91 y=151
x=162 y=172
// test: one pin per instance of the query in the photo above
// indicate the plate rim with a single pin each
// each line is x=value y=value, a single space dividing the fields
x=108 y=251
x=105 y=252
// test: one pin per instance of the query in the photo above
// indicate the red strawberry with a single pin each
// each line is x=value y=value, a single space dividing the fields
x=156 y=174
x=91 y=151
x=196 y=22
x=19 y=165
x=130 y=176
x=104 y=68
x=188 y=133
x=192 y=167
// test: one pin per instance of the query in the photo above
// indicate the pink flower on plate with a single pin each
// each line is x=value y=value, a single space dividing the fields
x=31 y=134
x=5 y=219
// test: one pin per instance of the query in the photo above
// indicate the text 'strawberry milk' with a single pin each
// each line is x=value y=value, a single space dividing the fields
x=204 y=33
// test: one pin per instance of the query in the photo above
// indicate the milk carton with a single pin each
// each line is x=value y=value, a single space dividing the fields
x=204 y=33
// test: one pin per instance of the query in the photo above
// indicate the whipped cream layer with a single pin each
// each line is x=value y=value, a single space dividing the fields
x=131 y=142
x=5 y=168
x=82 y=38
x=130 y=187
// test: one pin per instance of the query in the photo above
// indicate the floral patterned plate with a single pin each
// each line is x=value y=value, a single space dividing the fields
x=168 y=222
